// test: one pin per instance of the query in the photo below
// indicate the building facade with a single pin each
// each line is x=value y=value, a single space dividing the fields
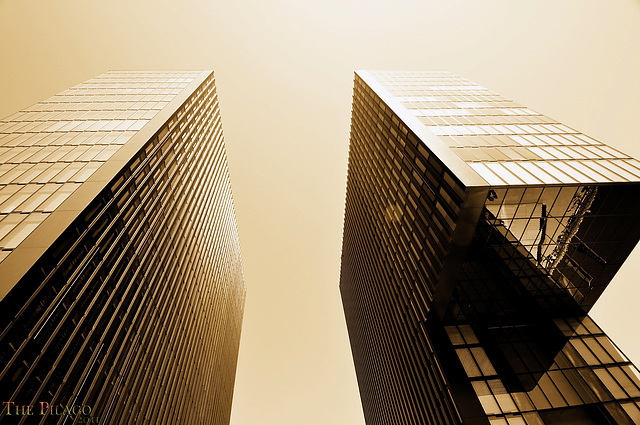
x=477 y=236
x=122 y=289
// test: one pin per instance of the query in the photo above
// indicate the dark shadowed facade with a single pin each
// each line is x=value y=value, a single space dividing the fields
x=477 y=236
x=121 y=285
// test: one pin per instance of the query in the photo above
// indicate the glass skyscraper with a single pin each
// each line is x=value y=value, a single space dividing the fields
x=477 y=236
x=121 y=282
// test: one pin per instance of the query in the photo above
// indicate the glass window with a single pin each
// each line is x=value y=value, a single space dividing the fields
x=522 y=401
x=598 y=350
x=84 y=125
x=624 y=381
x=486 y=174
x=551 y=392
x=546 y=139
x=503 y=129
x=538 y=398
x=561 y=361
x=494 y=153
x=529 y=131
x=613 y=166
x=612 y=152
x=70 y=125
x=468 y=334
x=8 y=140
x=468 y=155
x=58 y=153
x=575 y=174
x=611 y=349
x=565 y=387
x=572 y=153
x=50 y=171
x=584 y=351
x=111 y=125
x=56 y=125
x=541 y=153
x=580 y=386
x=5 y=168
x=454 y=335
x=520 y=140
x=59 y=196
x=522 y=174
x=632 y=410
x=582 y=150
x=32 y=173
x=533 y=418
x=632 y=371
x=86 y=171
x=564 y=129
x=138 y=125
x=587 y=171
x=9 y=222
x=594 y=152
x=506 y=403
x=516 y=420
x=634 y=164
x=503 y=173
x=538 y=172
x=489 y=403
x=470 y=367
x=43 y=192
x=556 y=173
x=515 y=153
x=610 y=383
x=21 y=195
x=627 y=167
x=97 y=125
x=22 y=156
x=557 y=153
x=107 y=153
x=575 y=139
x=71 y=169
x=15 y=172
x=595 y=165
x=22 y=230
x=7 y=153
x=483 y=361
x=513 y=129
x=595 y=384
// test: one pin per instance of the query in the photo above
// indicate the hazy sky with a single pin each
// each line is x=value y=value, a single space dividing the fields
x=284 y=72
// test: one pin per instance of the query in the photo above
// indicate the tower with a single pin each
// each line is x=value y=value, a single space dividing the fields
x=122 y=285
x=477 y=236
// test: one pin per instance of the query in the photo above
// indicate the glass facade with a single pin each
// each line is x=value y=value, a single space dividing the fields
x=477 y=236
x=124 y=289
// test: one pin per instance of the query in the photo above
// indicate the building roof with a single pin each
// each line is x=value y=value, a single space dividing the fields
x=486 y=139
x=80 y=137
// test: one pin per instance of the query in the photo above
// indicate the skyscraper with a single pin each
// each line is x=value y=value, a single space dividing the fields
x=477 y=236
x=122 y=285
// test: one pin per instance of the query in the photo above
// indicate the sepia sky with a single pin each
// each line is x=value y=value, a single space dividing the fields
x=284 y=71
